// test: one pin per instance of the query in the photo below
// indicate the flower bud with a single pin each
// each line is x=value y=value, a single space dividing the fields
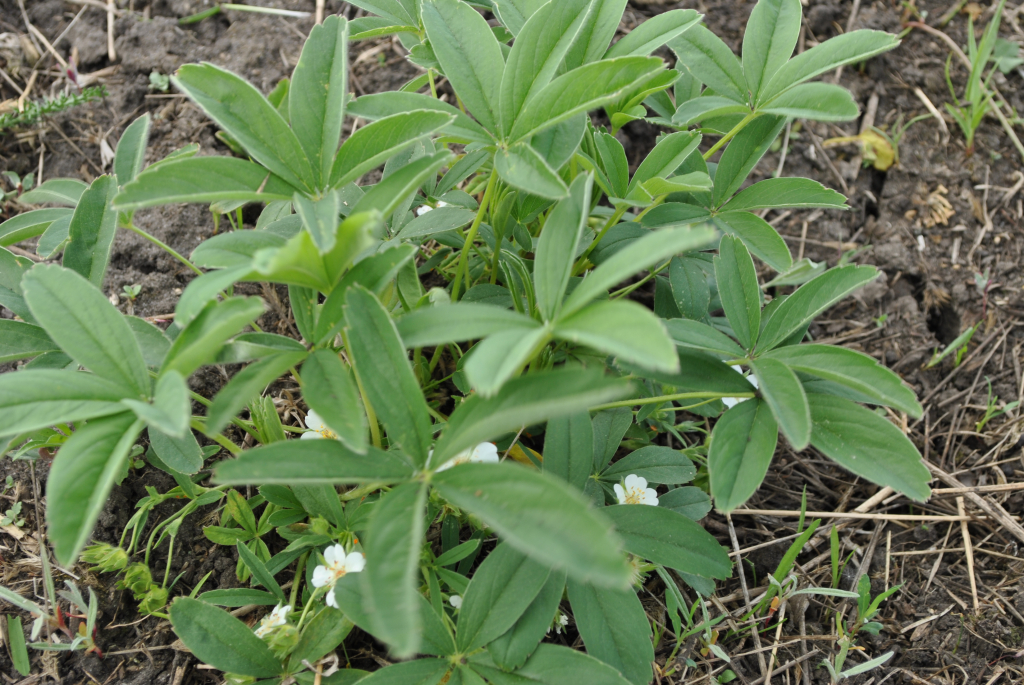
x=282 y=640
x=107 y=558
x=138 y=579
x=154 y=600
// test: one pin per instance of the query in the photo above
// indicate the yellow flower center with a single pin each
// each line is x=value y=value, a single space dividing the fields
x=327 y=433
x=634 y=495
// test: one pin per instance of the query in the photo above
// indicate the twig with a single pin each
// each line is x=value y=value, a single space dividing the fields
x=988 y=221
x=1004 y=487
x=111 y=51
x=969 y=553
x=935 y=113
x=788 y=665
x=785 y=148
x=319 y=11
x=993 y=509
x=852 y=515
x=746 y=594
x=775 y=647
x=828 y=161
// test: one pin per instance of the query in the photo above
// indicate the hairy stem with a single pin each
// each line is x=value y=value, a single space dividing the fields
x=463 y=266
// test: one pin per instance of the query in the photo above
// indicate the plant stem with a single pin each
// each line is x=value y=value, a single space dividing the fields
x=163 y=246
x=730 y=135
x=298 y=579
x=463 y=265
x=430 y=78
x=672 y=398
x=630 y=288
x=612 y=220
x=371 y=416
x=170 y=555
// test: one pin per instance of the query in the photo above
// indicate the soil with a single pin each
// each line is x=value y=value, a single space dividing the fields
x=927 y=296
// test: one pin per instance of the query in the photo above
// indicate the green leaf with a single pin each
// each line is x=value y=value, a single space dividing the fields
x=523 y=401
x=152 y=341
x=513 y=14
x=772 y=32
x=458 y=322
x=378 y=141
x=569 y=448
x=698 y=335
x=245 y=114
x=694 y=182
x=865 y=443
x=329 y=390
x=19 y=652
x=82 y=474
x=501 y=590
x=785 y=192
x=203 y=179
x=248 y=383
x=539 y=516
x=383 y=369
x=469 y=54
x=538 y=51
x=656 y=463
x=320 y=218
x=596 y=33
x=852 y=369
x=559 y=243
x=555 y=665
x=387 y=195
x=259 y=572
x=234 y=248
x=312 y=462
x=58 y=191
x=737 y=286
x=623 y=329
x=436 y=221
x=691 y=502
x=379 y=105
x=582 y=90
x=668 y=538
x=522 y=167
x=711 y=61
x=639 y=255
x=238 y=597
x=322 y=635
x=131 y=150
x=415 y=672
x=92 y=230
x=30 y=224
x=180 y=454
x=54 y=238
x=392 y=546
x=667 y=156
x=785 y=396
x=199 y=343
x=316 y=98
x=763 y=241
x=614 y=628
x=86 y=326
x=20 y=340
x=815 y=101
x=501 y=356
x=171 y=409
x=742 y=444
x=690 y=289
x=812 y=299
x=706 y=107
x=743 y=153
x=511 y=649
x=847 y=48
x=653 y=33
x=34 y=399
x=699 y=372
x=221 y=640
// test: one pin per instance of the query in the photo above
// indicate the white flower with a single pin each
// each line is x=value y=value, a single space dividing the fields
x=317 y=428
x=456 y=601
x=277 y=617
x=636 y=491
x=423 y=209
x=731 y=402
x=484 y=453
x=338 y=565
x=561 y=621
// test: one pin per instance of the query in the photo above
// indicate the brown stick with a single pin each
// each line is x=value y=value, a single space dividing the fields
x=969 y=553
x=993 y=509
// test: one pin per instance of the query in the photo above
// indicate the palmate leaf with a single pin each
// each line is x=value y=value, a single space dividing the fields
x=380 y=105
x=91 y=231
x=763 y=241
x=710 y=60
x=596 y=33
x=769 y=40
x=785 y=192
x=458 y=322
x=511 y=649
x=131 y=150
x=623 y=329
x=667 y=537
x=742 y=444
x=785 y=396
x=522 y=167
x=816 y=101
x=539 y=516
x=221 y=640
x=329 y=390
x=738 y=289
x=653 y=33
x=313 y=462
x=30 y=224
x=20 y=340
x=558 y=246
x=244 y=113
x=614 y=628
x=37 y=398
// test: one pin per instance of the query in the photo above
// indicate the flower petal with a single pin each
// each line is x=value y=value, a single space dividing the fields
x=355 y=562
x=321 y=576
x=620 y=494
x=314 y=421
x=334 y=554
x=331 y=601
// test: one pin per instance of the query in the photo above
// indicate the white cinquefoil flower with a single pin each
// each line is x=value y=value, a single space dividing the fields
x=455 y=601
x=731 y=402
x=277 y=617
x=484 y=453
x=317 y=428
x=636 y=491
x=338 y=564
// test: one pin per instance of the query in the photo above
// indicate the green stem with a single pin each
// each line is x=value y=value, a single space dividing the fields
x=298 y=579
x=630 y=288
x=463 y=265
x=657 y=201
x=371 y=416
x=612 y=220
x=231 y=447
x=170 y=555
x=312 y=598
x=672 y=398
x=164 y=246
x=430 y=79
x=730 y=135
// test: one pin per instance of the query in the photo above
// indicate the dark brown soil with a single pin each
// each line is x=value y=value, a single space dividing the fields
x=925 y=298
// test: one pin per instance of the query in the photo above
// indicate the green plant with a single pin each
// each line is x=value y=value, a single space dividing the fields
x=959 y=345
x=867 y=608
x=158 y=81
x=977 y=99
x=530 y=330
x=993 y=408
x=18 y=186
x=36 y=110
